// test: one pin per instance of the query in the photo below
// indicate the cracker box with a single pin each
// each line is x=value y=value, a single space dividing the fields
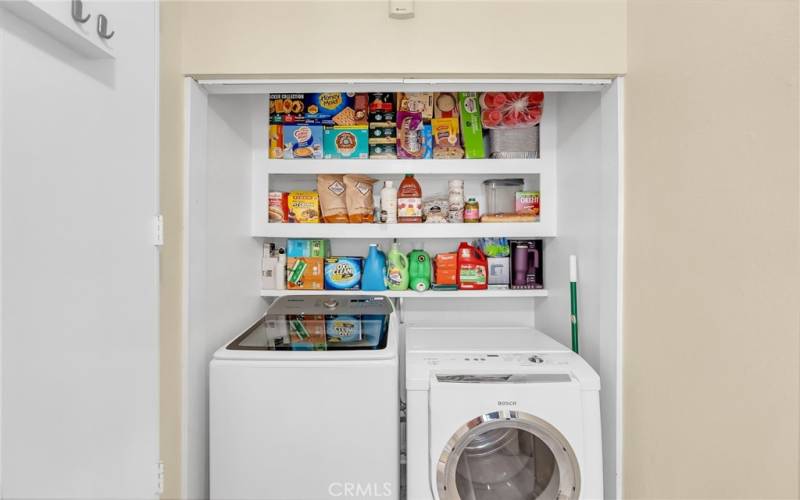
x=302 y=142
x=287 y=108
x=527 y=202
x=346 y=142
x=331 y=108
x=305 y=273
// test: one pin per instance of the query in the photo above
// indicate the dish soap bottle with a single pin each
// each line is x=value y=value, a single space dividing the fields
x=374 y=277
x=397 y=269
x=409 y=200
x=388 y=203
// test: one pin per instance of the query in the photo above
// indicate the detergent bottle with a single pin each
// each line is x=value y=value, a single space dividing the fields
x=397 y=269
x=419 y=270
x=472 y=268
x=374 y=275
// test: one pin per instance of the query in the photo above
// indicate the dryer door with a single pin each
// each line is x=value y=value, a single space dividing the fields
x=508 y=455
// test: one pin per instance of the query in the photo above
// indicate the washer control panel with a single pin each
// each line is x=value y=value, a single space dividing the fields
x=494 y=359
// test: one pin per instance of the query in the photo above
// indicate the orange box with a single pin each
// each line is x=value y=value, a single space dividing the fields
x=446 y=266
x=305 y=273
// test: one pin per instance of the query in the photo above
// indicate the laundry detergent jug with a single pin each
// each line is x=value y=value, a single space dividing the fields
x=419 y=270
x=397 y=269
x=374 y=275
x=472 y=268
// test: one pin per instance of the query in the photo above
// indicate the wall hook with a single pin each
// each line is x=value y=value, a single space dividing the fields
x=102 y=27
x=77 y=12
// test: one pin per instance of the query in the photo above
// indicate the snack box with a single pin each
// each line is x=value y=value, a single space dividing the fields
x=343 y=273
x=278 y=206
x=307 y=333
x=445 y=105
x=304 y=207
x=331 y=108
x=427 y=140
x=471 y=128
x=305 y=273
x=346 y=142
x=416 y=102
x=276 y=141
x=527 y=202
x=381 y=107
x=287 y=108
x=307 y=248
x=302 y=142
x=383 y=151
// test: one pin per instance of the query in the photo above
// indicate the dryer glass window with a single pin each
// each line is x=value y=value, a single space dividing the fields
x=507 y=463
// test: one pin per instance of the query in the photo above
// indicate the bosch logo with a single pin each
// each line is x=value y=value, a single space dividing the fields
x=506 y=403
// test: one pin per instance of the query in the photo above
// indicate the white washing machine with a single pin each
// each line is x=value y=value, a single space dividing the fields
x=500 y=414
x=305 y=404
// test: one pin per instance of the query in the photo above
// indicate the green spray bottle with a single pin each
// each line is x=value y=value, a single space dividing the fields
x=397 y=268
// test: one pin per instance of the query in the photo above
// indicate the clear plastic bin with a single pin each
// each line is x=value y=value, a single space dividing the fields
x=501 y=195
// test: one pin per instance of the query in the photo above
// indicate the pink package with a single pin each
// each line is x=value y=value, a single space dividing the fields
x=511 y=109
x=410 y=140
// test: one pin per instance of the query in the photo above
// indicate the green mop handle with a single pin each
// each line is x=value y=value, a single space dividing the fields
x=573 y=300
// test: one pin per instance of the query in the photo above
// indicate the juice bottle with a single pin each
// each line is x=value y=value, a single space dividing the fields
x=409 y=200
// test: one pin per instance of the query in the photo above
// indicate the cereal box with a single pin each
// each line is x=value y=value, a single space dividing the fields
x=302 y=142
x=287 y=108
x=304 y=207
x=346 y=142
x=305 y=273
x=331 y=108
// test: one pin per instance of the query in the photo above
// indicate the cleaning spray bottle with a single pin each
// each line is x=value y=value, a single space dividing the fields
x=374 y=277
x=397 y=268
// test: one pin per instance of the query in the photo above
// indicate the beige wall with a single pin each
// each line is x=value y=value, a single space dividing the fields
x=711 y=331
x=711 y=250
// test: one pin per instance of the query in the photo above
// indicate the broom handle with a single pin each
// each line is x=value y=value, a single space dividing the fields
x=573 y=300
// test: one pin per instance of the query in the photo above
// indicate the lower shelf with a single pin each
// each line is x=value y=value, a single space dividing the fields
x=411 y=294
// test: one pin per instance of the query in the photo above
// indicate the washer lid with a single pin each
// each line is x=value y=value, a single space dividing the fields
x=479 y=339
x=317 y=327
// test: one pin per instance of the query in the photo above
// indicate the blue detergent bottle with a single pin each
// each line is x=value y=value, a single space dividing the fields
x=374 y=277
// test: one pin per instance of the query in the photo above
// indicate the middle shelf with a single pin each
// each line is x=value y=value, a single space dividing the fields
x=407 y=231
x=413 y=294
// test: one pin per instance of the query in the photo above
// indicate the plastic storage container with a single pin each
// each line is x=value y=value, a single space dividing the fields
x=501 y=195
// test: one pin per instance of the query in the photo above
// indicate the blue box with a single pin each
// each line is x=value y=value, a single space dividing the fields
x=346 y=142
x=343 y=273
x=302 y=142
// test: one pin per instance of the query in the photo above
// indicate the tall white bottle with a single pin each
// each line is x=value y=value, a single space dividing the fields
x=389 y=203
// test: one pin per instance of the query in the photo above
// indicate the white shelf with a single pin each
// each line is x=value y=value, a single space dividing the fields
x=485 y=167
x=412 y=294
x=406 y=231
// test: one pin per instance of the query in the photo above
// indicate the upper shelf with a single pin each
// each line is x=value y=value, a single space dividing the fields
x=417 y=167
